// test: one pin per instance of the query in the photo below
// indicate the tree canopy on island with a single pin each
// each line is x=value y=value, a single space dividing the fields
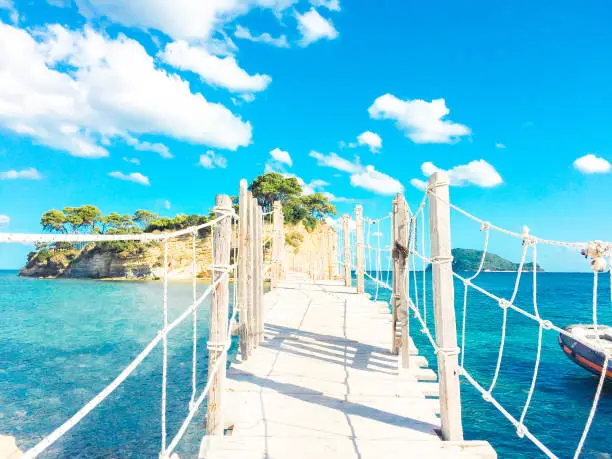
x=297 y=207
x=88 y=219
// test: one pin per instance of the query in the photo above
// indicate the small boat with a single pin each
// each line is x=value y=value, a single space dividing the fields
x=583 y=347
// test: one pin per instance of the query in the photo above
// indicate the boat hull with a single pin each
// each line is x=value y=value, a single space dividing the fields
x=584 y=356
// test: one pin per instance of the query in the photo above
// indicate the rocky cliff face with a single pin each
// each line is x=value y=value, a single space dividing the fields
x=147 y=263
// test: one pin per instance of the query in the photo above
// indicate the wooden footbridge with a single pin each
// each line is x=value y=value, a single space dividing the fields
x=324 y=371
x=324 y=384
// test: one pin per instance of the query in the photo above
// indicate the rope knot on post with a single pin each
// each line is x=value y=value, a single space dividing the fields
x=485 y=226
x=595 y=250
x=546 y=324
x=439 y=260
x=504 y=304
x=521 y=430
x=400 y=252
x=487 y=397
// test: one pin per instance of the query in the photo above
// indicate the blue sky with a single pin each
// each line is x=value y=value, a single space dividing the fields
x=95 y=96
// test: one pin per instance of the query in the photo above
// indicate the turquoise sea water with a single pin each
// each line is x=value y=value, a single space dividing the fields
x=62 y=341
x=563 y=392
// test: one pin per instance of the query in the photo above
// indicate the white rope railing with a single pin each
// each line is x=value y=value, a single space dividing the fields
x=543 y=324
x=418 y=304
x=161 y=335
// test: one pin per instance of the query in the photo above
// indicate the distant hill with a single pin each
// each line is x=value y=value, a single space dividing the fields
x=469 y=260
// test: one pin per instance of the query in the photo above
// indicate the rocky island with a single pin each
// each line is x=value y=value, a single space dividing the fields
x=134 y=260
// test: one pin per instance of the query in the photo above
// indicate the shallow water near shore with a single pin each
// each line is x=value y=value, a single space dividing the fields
x=62 y=341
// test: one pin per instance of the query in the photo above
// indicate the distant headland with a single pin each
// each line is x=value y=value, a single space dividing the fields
x=468 y=260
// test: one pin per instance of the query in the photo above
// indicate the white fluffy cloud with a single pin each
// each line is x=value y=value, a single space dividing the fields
x=477 y=172
x=24 y=174
x=114 y=89
x=245 y=34
x=4 y=220
x=363 y=177
x=180 y=19
x=223 y=72
x=166 y=204
x=500 y=145
x=591 y=164
x=314 y=27
x=135 y=177
x=332 y=5
x=376 y=181
x=371 y=139
x=421 y=121
x=210 y=160
x=281 y=156
x=158 y=148
x=336 y=162
x=419 y=184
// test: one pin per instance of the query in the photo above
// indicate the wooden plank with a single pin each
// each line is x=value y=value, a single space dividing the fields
x=345 y=447
x=444 y=307
x=324 y=384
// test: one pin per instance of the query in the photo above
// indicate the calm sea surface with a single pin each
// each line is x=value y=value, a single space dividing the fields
x=62 y=341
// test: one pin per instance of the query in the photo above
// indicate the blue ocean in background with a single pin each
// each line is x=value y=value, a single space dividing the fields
x=62 y=341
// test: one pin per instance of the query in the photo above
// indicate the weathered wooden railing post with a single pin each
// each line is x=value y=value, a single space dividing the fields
x=394 y=284
x=282 y=269
x=242 y=270
x=277 y=215
x=360 y=254
x=250 y=250
x=257 y=278
x=347 y=250
x=444 y=307
x=401 y=255
x=219 y=307
x=332 y=238
x=260 y=271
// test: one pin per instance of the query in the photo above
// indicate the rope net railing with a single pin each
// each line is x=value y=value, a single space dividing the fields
x=219 y=273
x=419 y=261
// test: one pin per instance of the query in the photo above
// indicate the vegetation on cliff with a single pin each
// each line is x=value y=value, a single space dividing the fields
x=297 y=206
x=63 y=258
x=469 y=260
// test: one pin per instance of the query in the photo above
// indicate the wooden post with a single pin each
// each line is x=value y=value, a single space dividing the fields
x=334 y=260
x=444 y=307
x=402 y=277
x=257 y=278
x=332 y=253
x=394 y=283
x=360 y=255
x=347 y=251
x=276 y=242
x=219 y=307
x=242 y=270
x=260 y=263
x=250 y=281
x=256 y=275
x=282 y=273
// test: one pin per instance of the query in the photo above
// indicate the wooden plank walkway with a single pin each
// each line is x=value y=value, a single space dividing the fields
x=324 y=384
